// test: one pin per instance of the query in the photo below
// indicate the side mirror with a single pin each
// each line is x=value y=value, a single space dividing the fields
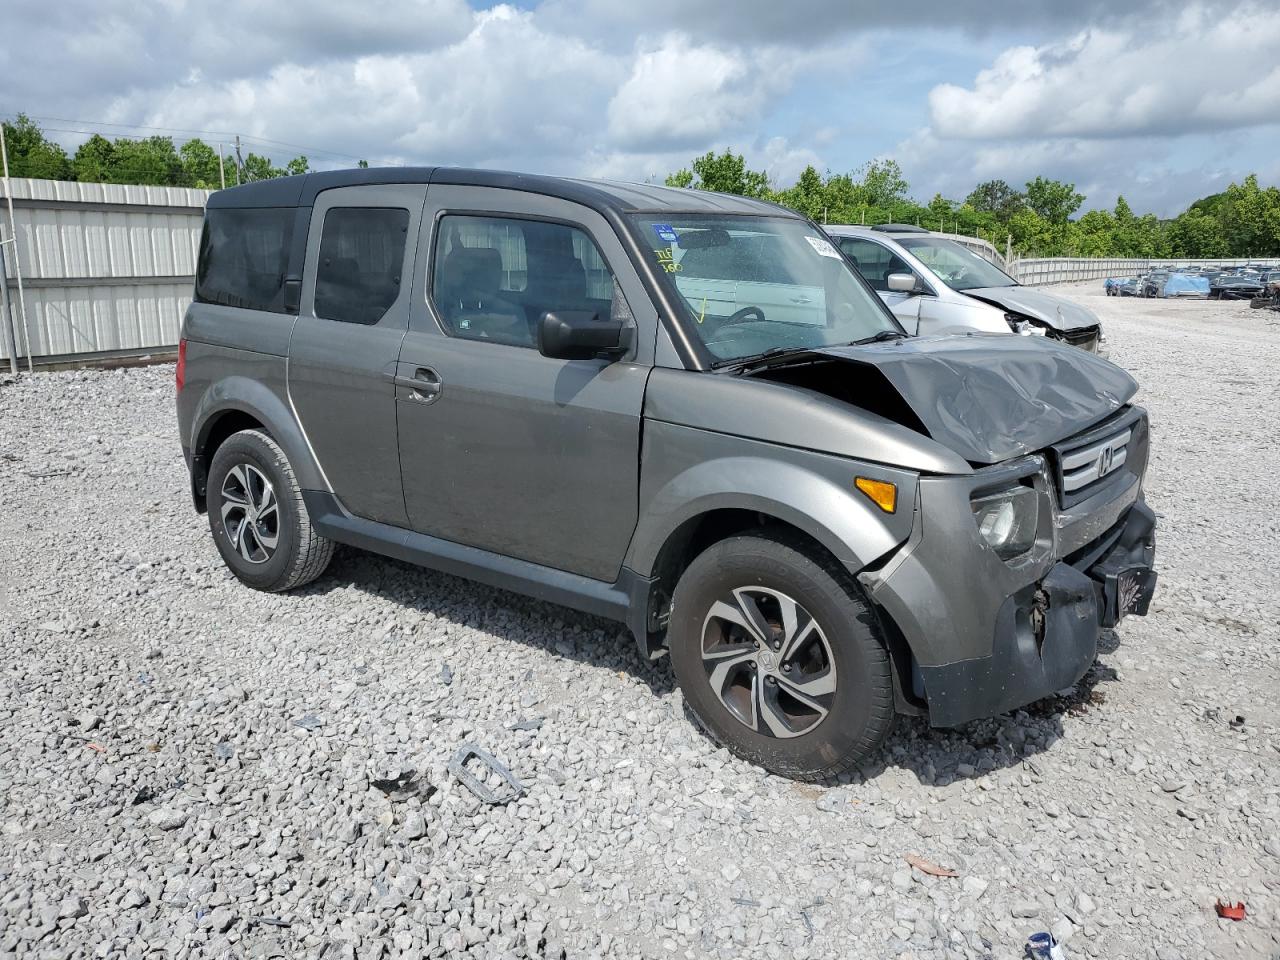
x=581 y=335
x=904 y=283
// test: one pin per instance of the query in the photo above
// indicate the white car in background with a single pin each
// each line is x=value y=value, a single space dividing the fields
x=937 y=286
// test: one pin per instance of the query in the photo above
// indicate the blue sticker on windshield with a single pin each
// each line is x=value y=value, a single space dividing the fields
x=665 y=233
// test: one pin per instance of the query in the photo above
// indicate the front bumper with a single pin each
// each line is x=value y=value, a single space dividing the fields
x=988 y=636
x=1045 y=636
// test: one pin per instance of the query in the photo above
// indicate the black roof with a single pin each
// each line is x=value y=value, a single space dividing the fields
x=615 y=195
x=899 y=228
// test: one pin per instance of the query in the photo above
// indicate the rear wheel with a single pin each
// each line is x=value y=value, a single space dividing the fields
x=780 y=657
x=258 y=519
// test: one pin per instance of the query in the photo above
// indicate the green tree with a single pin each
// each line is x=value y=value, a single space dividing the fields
x=1053 y=200
x=151 y=161
x=1195 y=233
x=940 y=211
x=883 y=183
x=681 y=178
x=200 y=166
x=296 y=166
x=808 y=196
x=997 y=198
x=32 y=154
x=728 y=173
x=1095 y=234
x=1249 y=218
x=845 y=198
x=259 y=168
x=93 y=159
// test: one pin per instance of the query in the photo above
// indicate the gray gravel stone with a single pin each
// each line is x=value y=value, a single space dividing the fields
x=167 y=818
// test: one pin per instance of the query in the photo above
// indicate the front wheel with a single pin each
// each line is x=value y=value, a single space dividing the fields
x=780 y=657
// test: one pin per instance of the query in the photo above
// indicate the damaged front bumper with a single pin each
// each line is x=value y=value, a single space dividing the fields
x=988 y=636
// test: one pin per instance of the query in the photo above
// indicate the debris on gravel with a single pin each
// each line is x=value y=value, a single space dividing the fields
x=189 y=768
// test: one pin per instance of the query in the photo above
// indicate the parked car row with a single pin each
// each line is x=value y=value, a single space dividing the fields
x=685 y=411
x=1218 y=283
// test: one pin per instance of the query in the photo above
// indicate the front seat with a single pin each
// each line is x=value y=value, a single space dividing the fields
x=557 y=281
x=471 y=299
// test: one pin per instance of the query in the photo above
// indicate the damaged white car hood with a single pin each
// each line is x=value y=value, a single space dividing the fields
x=1057 y=312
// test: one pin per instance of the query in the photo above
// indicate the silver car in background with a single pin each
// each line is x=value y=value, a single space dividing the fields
x=937 y=286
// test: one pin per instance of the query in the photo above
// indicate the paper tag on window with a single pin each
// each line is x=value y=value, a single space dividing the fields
x=665 y=233
x=823 y=247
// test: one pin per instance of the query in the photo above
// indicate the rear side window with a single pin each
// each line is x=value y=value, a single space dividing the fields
x=244 y=255
x=494 y=277
x=361 y=261
x=873 y=261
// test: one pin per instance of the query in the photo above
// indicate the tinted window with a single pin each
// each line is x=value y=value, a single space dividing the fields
x=495 y=277
x=244 y=255
x=873 y=261
x=361 y=259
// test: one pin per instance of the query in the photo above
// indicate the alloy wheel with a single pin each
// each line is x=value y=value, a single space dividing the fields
x=768 y=662
x=250 y=513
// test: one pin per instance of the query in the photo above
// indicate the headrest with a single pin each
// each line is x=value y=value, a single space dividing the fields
x=473 y=272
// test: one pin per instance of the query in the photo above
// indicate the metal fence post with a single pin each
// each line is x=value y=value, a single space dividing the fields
x=17 y=259
x=6 y=317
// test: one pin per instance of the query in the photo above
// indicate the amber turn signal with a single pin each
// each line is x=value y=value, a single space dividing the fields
x=884 y=495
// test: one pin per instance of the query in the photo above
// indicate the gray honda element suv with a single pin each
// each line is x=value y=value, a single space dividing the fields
x=679 y=410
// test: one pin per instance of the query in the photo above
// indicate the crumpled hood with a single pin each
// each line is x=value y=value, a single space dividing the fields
x=990 y=397
x=1057 y=312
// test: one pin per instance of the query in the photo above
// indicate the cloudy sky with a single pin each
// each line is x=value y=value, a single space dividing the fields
x=1162 y=102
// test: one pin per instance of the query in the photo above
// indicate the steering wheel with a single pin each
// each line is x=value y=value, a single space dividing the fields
x=746 y=313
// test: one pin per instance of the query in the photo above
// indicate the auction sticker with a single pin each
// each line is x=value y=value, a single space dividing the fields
x=823 y=247
x=665 y=233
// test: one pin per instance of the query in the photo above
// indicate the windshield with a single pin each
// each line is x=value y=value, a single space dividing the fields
x=757 y=284
x=957 y=266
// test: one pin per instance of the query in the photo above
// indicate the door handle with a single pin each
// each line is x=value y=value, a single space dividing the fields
x=425 y=384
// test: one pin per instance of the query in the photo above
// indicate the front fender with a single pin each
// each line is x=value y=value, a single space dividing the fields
x=688 y=472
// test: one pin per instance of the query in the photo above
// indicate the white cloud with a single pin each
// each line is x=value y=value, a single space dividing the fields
x=1196 y=72
x=683 y=94
x=506 y=93
x=612 y=88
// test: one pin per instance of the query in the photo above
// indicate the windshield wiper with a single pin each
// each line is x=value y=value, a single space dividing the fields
x=772 y=353
x=880 y=337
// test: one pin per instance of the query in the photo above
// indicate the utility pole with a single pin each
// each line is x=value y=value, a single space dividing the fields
x=222 y=173
x=17 y=264
x=239 y=163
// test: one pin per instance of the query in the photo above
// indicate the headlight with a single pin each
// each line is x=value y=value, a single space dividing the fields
x=1022 y=326
x=1008 y=520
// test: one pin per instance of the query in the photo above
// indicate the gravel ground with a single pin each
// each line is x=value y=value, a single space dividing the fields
x=187 y=767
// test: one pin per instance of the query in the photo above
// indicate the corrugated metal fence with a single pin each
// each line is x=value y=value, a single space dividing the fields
x=105 y=268
x=108 y=269
x=1037 y=272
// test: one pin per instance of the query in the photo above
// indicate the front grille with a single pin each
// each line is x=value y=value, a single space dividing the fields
x=1086 y=338
x=1099 y=457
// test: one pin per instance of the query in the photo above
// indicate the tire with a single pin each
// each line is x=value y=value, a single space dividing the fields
x=251 y=469
x=719 y=665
